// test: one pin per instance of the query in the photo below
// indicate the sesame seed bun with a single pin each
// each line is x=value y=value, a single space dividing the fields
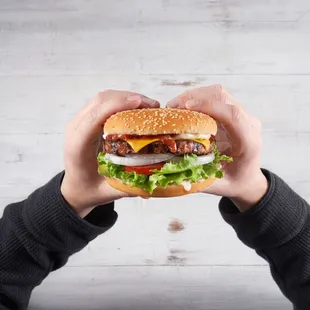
x=160 y=121
x=160 y=192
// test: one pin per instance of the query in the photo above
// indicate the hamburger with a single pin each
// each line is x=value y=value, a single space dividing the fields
x=160 y=152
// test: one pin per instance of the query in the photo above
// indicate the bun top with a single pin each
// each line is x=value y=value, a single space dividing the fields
x=160 y=121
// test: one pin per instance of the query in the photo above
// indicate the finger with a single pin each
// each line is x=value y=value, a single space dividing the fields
x=219 y=187
x=148 y=103
x=174 y=103
x=220 y=105
x=232 y=100
x=217 y=103
x=214 y=92
x=91 y=124
x=104 y=96
x=94 y=101
x=115 y=194
x=230 y=116
x=179 y=101
x=212 y=100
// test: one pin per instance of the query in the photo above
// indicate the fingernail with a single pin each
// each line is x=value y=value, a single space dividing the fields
x=134 y=98
x=192 y=103
x=150 y=101
x=172 y=104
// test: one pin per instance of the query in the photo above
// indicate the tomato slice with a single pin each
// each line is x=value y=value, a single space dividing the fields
x=144 y=169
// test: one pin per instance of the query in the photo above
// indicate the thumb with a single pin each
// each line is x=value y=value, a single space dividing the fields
x=114 y=194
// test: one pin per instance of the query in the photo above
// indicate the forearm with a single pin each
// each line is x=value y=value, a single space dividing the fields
x=278 y=228
x=37 y=236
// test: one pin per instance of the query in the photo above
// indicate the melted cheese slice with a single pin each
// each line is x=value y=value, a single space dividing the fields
x=205 y=143
x=138 y=144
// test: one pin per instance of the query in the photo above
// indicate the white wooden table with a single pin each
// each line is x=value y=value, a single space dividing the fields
x=54 y=55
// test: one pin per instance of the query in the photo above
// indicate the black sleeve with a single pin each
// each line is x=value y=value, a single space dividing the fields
x=38 y=235
x=278 y=229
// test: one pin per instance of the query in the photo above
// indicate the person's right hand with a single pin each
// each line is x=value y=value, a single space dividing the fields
x=239 y=136
x=82 y=186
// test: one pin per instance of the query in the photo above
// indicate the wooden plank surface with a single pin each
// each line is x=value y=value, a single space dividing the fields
x=216 y=37
x=43 y=105
x=75 y=13
x=223 y=49
x=54 y=55
x=156 y=288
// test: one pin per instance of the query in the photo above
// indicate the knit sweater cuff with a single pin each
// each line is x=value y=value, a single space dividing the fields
x=49 y=217
x=276 y=219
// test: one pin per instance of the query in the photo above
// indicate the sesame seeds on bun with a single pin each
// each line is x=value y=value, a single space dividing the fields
x=160 y=121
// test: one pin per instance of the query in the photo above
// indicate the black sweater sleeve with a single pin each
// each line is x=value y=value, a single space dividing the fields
x=278 y=229
x=38 y=235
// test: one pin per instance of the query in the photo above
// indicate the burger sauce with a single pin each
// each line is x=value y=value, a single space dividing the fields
x=165 y=139
x=171 y=144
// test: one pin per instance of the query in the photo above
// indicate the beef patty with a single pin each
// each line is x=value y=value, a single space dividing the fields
x=122 y=148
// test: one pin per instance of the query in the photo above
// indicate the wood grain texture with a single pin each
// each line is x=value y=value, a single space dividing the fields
x=222 y=50
x=43 y=105
x=215 y=37
x=54 y=55
x=156 y=288
x=117 y=13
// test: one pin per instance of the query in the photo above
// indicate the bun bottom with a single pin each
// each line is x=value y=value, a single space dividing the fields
x=160 y=192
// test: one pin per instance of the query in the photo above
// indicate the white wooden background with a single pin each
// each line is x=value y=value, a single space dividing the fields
x=54 y=55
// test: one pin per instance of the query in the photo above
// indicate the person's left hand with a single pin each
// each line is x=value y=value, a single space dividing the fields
x=238 y=136
x=82 y=187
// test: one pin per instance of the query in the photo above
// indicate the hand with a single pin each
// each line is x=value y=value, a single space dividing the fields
x=82 y=187
x=239 y=136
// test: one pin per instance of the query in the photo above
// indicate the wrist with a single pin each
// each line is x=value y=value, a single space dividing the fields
x=253 y=190
x=74 y=198
x=83 y=198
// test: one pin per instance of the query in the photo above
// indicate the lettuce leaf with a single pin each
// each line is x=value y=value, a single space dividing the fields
x=186 y=169
x=187 y=163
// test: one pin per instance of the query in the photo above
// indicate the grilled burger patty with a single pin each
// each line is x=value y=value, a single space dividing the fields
x=122 y=148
